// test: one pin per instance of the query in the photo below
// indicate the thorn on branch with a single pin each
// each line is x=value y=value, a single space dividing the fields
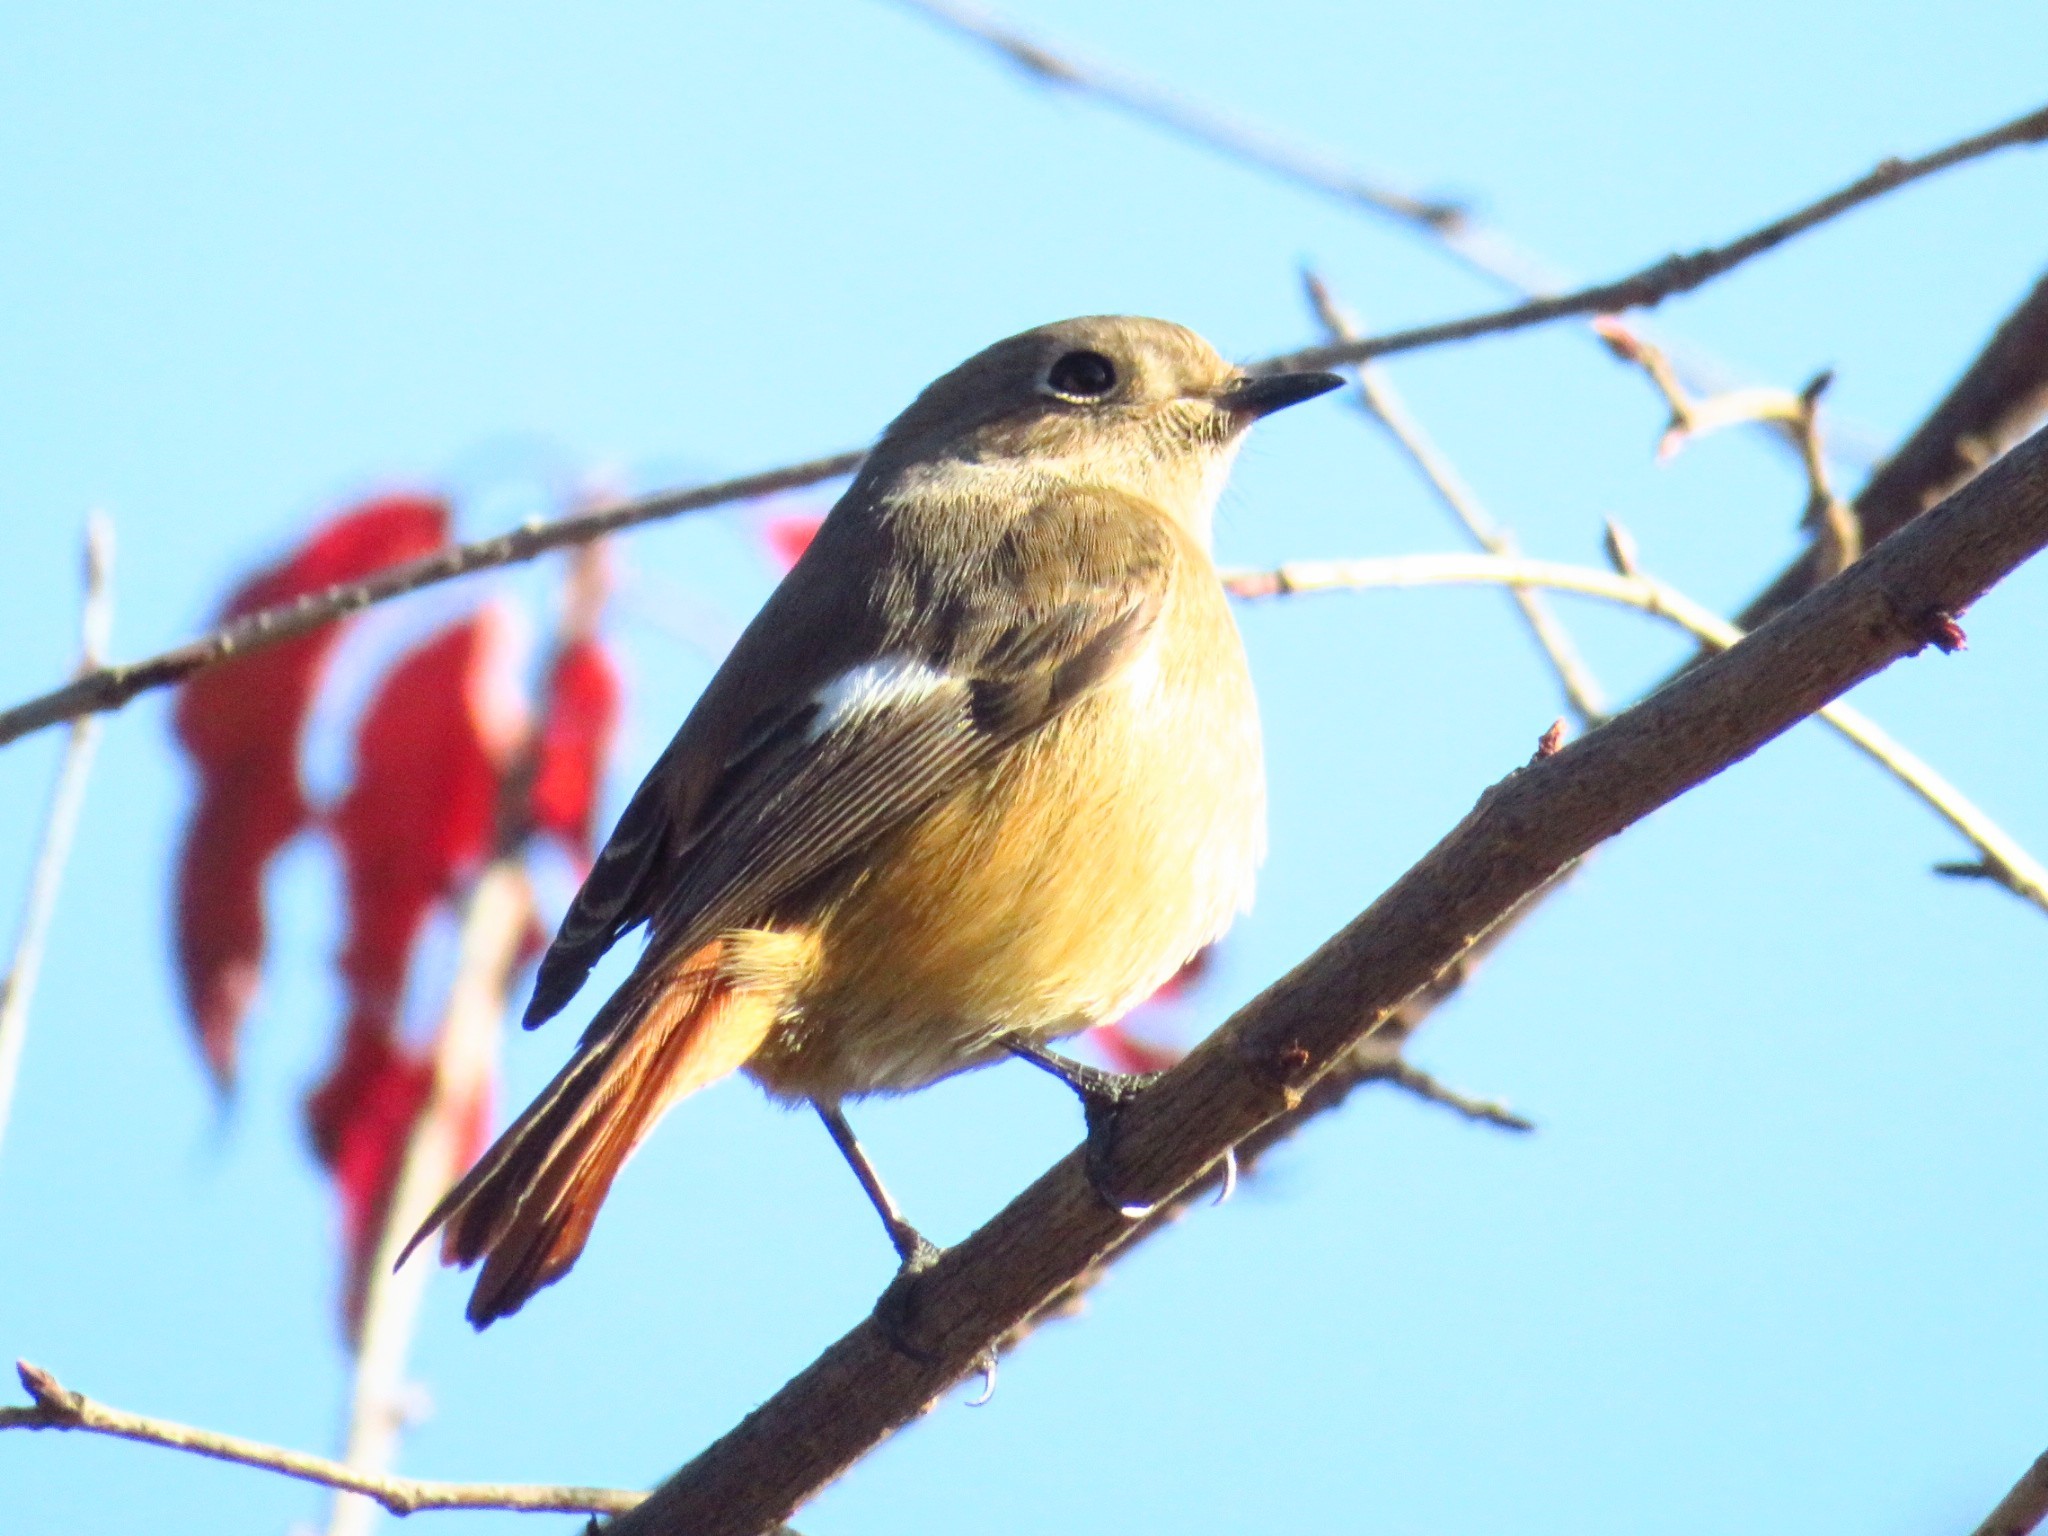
x=49 y=1394
x=1620 y=546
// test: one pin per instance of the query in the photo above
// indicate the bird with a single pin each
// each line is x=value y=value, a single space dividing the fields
x=984 y=772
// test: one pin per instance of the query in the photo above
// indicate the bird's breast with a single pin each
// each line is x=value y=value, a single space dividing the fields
x=1054 y=890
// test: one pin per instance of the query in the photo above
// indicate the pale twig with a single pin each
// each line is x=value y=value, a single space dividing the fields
x=1384 y=405
x=111 y=687
x=2024 y=1506
x=2004 y=860
x=1397 y=1073
x=57 y=1407
x=60 y=823
x=1837 y=534
x=1451 y=225
x=1270 y=1054
x=496 y=917
x=494 y=923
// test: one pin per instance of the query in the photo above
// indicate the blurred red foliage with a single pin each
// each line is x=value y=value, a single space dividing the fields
x=445 y=737
x=789 y=534
x=240 y=722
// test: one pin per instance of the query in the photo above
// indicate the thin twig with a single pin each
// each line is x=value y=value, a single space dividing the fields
x=1397 y=1073
x=494 y=922
x=1999 y=399
x=1677 y=274
x=1480 y=249
x=496 y=916
x=1384 y=405
x=2015 y=869
x=1837 y=533
x=111 y=687
x=2024 y=1506
x=60 y=823
x=57 y=1407
x=1269 y=1056
x=1451 y=227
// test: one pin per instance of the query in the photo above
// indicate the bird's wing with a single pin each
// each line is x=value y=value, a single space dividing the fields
x=1056 y=607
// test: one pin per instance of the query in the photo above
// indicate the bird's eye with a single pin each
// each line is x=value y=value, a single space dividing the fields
x=1081 y=376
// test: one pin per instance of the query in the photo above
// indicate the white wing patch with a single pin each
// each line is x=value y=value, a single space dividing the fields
x=873 y=685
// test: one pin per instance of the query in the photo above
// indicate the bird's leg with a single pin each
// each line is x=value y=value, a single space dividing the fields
x=915 y=1252
x=1103 y=1096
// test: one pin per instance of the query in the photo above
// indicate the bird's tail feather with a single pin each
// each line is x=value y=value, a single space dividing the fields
x=526 y=1208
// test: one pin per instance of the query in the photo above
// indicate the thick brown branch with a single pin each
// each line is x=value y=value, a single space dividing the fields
x=111 y=687
x=1999 y=399
x=1261 y=1063
x=58 y=1407
x=2024 y=1506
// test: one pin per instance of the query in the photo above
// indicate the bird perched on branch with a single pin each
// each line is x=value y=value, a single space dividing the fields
x=984 y=772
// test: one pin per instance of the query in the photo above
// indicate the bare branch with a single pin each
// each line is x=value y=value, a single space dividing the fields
x=495 y=919
x=1397 y=1073
x=1269 y=1056
x=57 y=1407
x=1795 y=415
x=60 y=823
x=1999 y=399
x=1677 y=274
x=111 y=687
x=2003 y=861
x=2024 y=1506
x=1480 y=249
x=1384 y=405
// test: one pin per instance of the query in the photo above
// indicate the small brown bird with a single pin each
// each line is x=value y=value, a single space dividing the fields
x=984 y=772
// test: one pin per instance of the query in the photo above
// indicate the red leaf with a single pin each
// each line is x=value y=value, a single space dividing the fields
x=789 y=535
x=240 y=724
x=1125 y=1052
x=581 y=717
x=419 y=820
x=361 y=1119
x=421 y=816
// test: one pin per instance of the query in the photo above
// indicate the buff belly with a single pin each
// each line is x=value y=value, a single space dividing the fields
x=1050 y=895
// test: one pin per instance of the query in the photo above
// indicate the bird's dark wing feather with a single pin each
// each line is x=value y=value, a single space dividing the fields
x=1077 y=584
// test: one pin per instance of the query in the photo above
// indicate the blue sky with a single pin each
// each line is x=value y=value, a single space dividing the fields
x=1775 y=1256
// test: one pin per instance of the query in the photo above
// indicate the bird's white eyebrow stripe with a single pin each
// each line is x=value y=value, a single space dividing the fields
x=877 y=684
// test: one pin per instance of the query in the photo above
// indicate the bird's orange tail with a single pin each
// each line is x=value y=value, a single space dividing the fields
x=526 y=1208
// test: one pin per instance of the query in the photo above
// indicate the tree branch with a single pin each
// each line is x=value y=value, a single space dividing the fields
x=1451 y=225
x=2004 y=861
x=111 y=687
x=1676 y=274
x=57 y=1407
x=1381 y=402
x=1411 y=1079
x=2023 y=1508
x=1269 y=1056
x=1999 y=399
x=60 y=824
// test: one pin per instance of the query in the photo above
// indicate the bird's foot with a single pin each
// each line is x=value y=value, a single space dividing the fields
x=897 y=1307
x=1104 y=1096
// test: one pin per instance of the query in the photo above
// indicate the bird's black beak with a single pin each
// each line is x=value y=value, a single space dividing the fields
x=1256 y=396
